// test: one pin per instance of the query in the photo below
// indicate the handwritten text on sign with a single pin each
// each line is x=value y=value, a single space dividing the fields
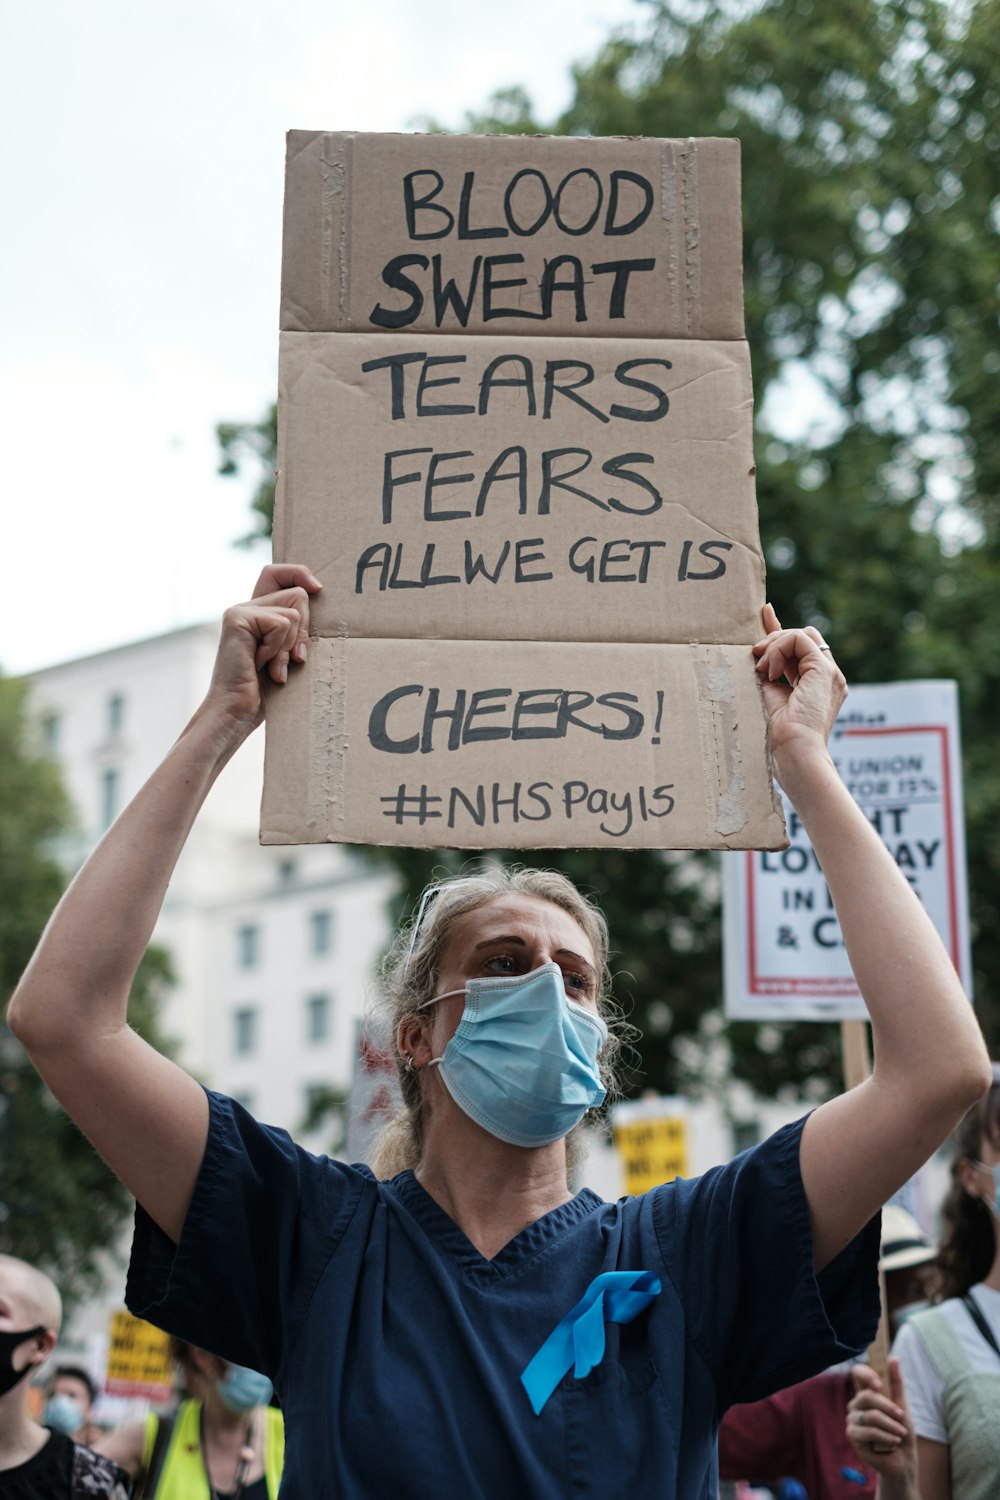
x=618 y=755
x=515 y=435
x=469 y=488
x=505 y=235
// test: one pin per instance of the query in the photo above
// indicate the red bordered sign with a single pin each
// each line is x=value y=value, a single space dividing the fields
x=896 y=747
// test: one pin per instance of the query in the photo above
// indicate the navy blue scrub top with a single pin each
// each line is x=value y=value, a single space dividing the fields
x=396 y=1348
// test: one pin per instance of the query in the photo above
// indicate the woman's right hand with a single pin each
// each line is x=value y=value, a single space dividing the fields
x=266 y=634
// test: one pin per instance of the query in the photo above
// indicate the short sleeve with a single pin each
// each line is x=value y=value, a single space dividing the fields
x=737 y=1243
x=923 y=1386
x=265 y=1218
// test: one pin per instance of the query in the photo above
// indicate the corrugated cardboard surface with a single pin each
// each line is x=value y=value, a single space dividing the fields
x=664 y=547
x=346 y=219
x=537 y=536
x=516 y=744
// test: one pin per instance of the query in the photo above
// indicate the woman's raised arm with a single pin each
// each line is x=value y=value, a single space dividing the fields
x=146 y=1116
x=931 y=1063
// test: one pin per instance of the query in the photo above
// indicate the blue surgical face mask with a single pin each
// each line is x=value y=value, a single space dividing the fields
x=62 y=1414
x=523 y=1062
x=243 y=1389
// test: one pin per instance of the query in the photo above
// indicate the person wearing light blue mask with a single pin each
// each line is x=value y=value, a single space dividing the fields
x=223 y=1439
x=70 y=1397
x=458 y=1319
x=523 y=1061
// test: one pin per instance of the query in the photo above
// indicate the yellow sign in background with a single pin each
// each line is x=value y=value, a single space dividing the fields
x=653 y=1150
x=139 y=1362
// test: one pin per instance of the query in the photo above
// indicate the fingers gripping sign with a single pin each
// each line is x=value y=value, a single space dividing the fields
x=266 y=634
x=879 y=1424
x=803 y=686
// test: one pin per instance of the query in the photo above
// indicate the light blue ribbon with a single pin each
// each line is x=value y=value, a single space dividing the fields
x=577 y=1343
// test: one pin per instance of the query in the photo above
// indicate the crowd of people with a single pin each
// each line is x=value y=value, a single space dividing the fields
x=459 y=1319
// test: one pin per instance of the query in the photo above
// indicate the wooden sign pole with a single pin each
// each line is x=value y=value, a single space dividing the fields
x=857 y=1067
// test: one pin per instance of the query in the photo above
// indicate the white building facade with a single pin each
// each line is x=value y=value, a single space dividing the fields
x=275 y=950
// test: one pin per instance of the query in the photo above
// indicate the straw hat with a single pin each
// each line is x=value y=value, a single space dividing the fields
x=903 y=1242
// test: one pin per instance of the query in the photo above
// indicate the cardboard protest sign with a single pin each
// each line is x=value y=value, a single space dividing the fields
x=599 y=493
x=525 y=533
x=558 y=235
x=897 y=748
x=498 y=744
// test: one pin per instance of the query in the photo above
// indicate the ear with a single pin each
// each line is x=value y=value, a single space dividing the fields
x=39 y=1348
x=969 y=1178
x=413 y=1040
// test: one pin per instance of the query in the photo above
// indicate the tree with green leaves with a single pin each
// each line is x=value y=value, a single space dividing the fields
x=871 y=158
x=60 y=1206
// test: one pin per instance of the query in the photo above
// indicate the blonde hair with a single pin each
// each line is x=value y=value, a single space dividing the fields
x=409 y=976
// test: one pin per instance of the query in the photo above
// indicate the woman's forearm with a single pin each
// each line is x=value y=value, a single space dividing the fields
x=921 y=1018
x=82 y=971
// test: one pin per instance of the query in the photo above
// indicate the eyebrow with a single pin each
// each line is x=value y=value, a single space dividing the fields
x=512 y=937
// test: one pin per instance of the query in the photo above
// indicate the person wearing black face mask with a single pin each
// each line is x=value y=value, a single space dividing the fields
x=36 y=1464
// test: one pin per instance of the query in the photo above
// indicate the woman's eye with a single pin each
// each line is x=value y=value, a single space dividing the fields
x=502 y=963
x=577 y=984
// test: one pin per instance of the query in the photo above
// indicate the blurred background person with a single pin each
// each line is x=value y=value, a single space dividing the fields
x=799 y=1434
x=224 y=1439
x=69 y=1399
x=949 y=1355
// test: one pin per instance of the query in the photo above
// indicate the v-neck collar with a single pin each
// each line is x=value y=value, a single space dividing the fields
x=442 y=1229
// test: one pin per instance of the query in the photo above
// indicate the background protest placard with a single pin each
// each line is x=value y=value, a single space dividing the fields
x=525 y=533
x=896 y=747
x=139 y=1359
x=651 y=1137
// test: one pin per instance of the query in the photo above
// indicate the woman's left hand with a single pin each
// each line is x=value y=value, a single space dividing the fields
x=881 y=1429
x=803 y=688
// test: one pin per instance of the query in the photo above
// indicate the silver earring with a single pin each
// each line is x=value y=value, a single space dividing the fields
x=408 y=1064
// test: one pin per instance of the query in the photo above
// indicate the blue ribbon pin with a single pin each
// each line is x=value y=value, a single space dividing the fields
x=578 y=1342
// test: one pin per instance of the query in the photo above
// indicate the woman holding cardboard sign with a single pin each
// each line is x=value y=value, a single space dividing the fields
x=470 y=1325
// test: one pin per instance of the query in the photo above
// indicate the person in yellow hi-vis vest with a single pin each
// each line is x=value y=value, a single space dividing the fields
x=223 y=1443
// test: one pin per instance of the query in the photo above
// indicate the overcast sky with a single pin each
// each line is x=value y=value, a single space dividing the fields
x=141 y=182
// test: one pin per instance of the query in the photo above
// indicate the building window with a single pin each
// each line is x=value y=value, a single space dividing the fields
x=116 y=713
x=110 y=794
x=320 y=931
x=244 y=1030
x=50 y=731
x=247 y=946
x=317 y=1018
x=286 y=871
